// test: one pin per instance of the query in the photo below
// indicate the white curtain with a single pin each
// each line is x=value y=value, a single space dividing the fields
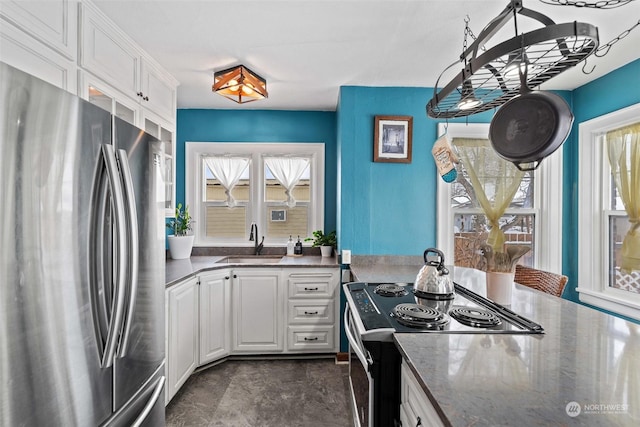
x=623 y=148
x=494 y=180
x=288 y=171
x=228 y=170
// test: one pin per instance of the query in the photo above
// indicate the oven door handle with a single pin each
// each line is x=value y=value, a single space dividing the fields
x=365 y=359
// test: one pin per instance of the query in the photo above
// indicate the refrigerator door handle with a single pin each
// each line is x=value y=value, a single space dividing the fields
x=121 y=255
x=133 y=246
x=100 y=273
x=150 y=404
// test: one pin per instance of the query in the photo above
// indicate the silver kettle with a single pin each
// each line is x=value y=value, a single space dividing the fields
x=433 y=280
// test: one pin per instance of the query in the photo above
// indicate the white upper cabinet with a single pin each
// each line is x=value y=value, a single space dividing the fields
x=51 y=22
x=40 y=38
x=104 y=95
x=157 y=91
x=110 y=54
x=107 y=52
x=27 y=54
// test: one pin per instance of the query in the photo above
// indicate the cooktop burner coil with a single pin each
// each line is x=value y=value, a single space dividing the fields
x=390 y=290
x=419 y=316
x=475 y=317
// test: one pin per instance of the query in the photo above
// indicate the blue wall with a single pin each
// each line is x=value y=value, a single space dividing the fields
x=614 y=91
x=261 y=126
x=390 y=208
x=387 y=208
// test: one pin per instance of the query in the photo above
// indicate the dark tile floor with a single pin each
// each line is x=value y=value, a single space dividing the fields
x=265 y=393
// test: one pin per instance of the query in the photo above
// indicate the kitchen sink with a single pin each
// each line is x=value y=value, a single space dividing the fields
x=251 y=259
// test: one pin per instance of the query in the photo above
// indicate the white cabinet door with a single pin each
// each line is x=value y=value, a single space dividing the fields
x=165 y=132
x=25 y=53
x=215 y=315
x=415 y=407
x=158 y=93
x=258 y=305
x=53 y=23
x=104 y=95
x=107 y=53
x=182 y=334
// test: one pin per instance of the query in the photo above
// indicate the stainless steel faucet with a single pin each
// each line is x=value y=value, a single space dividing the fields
x=254 y=238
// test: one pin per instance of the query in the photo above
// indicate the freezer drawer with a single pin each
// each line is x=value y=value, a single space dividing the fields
x=145 y=408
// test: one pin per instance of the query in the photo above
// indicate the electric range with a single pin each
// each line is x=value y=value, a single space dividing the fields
x=387 y=308
x=376 y=311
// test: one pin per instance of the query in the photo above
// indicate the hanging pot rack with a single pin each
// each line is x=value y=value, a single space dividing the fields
x=547 y=52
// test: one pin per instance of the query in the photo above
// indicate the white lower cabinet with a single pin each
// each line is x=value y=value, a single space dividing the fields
x=313 y=304
x=182 y=334
x=415 y=408
x=258 y=310
x=215 y=315
x=244 y=311
x=311 y=339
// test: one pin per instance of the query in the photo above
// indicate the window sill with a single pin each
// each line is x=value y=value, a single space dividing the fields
x=611 y=302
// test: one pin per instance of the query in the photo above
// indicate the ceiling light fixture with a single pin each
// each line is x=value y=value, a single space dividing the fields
x=468 y=99
x=240 y=84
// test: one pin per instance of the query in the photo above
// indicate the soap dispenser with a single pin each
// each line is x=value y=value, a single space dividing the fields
x=290 y=246
x=298 y=248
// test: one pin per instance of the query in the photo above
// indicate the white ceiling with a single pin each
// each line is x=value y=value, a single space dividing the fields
x=307 y=49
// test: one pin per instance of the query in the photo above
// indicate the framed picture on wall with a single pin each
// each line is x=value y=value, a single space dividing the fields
x=392 y=139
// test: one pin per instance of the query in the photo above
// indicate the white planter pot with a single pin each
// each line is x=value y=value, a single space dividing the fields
x=180 y=246
x=326 y=250
x=499 y=286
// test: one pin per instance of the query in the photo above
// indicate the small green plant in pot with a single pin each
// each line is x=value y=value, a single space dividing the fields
x=181 y=242
x=181 y=224
x=326 y=242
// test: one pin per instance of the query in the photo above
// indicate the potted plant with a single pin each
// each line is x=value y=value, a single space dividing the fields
x=500 y=270
x=181 y=241
x=326 y=242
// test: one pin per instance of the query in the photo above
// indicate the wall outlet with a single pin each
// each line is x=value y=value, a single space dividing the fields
x=346 y=256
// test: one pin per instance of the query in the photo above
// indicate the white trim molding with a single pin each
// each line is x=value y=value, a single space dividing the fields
x=194 y=152
x=548 y=202
x=593 y=256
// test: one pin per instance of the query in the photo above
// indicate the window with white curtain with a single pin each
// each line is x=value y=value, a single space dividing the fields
x=526 y=206
x=609 y=200
x=280 y=187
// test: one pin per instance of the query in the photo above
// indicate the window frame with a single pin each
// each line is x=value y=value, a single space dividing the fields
x=257 y=206
x=594 y=212
x=547 y=203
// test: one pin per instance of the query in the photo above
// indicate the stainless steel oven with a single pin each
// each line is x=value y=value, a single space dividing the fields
x=360 y=381
x=376 y=311
x=374 y=372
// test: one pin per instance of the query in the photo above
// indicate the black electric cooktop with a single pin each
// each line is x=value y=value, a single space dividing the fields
x=397 y=306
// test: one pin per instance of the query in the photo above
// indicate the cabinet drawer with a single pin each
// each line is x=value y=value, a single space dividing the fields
x=312 y=285
x=311 y=339
x=415 y=403
x=311 y=312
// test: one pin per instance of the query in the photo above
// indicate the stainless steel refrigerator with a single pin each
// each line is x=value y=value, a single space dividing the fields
x=81 y=262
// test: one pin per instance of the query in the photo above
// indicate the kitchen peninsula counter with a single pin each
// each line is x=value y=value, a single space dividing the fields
x=585 y=357
x=178 y=269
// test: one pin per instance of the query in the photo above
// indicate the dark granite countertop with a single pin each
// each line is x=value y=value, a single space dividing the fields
x=585 y=357
x=177 y=270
